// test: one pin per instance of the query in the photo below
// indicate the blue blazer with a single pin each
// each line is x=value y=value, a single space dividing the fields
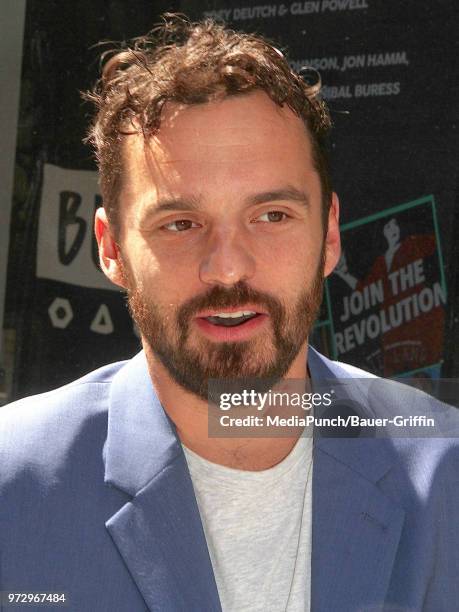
x=96 y=501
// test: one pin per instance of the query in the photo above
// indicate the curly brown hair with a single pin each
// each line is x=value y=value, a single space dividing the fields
x=193 y=63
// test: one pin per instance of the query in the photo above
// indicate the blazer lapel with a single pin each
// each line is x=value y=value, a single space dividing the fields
x=158 y=532
x=355 y=527
x=355 y=530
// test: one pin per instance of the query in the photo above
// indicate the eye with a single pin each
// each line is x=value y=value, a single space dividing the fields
x=180 y=225
x=273 y=216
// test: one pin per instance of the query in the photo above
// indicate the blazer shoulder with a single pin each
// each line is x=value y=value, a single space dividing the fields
x=40 y=430
x=36 y=407
x=324 y=367
x=420 y=431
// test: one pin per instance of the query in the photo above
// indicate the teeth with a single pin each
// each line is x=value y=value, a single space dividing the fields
x=234 y=315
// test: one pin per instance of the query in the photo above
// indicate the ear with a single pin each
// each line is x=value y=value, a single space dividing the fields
x=332 y=241
x=108 y=249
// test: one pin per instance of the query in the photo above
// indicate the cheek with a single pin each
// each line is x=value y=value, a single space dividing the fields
x=143 y=265
x=295 y=258
x=163 y=279
x=167 y=286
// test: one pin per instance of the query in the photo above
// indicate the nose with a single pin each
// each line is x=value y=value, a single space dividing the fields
x=227 y=259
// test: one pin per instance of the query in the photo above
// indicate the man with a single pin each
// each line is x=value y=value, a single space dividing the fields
x=220 y=223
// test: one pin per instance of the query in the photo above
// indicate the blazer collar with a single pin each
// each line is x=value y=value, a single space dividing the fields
x=357 y=454
x=141 y=439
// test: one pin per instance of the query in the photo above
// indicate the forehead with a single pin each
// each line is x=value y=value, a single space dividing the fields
x=237 y=139
x=240 y=121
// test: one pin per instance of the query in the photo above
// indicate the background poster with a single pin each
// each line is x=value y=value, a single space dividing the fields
x=81 y=318
x=390 y=74
x=387 y=296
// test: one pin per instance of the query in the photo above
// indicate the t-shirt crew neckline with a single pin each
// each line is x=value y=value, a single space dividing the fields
x=233 y=477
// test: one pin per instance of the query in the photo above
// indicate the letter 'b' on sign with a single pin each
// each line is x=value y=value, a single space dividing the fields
x=66 y=250
x=69 y=203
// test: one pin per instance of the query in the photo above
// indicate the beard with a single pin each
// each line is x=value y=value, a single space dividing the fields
x=264 y=359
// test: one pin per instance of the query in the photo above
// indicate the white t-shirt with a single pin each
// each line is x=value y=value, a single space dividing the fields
x=258 y=530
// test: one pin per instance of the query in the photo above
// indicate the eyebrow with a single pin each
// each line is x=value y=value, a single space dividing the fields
x=286 y=193
x=192 y=203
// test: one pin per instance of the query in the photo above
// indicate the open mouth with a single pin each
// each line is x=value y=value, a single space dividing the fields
x=231 y=319
x=231 y=324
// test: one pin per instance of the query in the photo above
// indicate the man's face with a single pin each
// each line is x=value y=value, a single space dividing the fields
x=392 y=232
x=222 y=245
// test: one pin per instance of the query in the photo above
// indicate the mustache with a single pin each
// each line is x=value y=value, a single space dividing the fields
x=219 y=297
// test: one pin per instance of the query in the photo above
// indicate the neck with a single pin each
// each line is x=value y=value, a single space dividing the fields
x=190 y=414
